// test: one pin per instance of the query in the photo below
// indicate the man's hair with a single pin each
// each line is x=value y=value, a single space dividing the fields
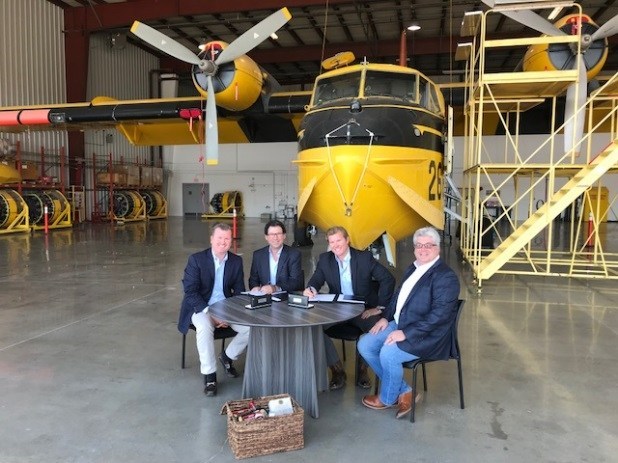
x=427 y=231
x=220 y=226
x=337 y=229
x=273 y=223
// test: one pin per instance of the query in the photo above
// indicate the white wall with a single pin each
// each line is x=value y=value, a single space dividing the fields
x=528 y=144
x=262 y=172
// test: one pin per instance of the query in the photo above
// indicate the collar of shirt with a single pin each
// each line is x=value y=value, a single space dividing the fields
x=345 y=262
x=218 y=262
x=277 y=253
x=425 y=267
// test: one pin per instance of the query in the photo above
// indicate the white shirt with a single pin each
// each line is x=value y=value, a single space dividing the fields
x=408 y=285
x=273 y=265
x=217 y=289
x=345 y=276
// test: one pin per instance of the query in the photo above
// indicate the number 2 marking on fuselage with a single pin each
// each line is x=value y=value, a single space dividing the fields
x=435 y=184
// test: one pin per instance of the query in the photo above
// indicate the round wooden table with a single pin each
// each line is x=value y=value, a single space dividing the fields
x=286 y=352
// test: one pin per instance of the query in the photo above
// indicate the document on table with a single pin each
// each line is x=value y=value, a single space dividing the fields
x=349 y=298
x=323 y=298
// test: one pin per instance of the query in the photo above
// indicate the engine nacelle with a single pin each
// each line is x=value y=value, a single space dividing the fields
x=560 y=56
x=237 y=84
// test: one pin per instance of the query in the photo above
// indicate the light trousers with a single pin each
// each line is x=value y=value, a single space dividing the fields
x=386 y=362
x=205 y=340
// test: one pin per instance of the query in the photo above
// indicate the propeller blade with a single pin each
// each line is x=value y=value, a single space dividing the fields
x=212 y=132
x=574 y=128
x=164 y=43
x=607 y=29
x=530 y=19
x=254 y=36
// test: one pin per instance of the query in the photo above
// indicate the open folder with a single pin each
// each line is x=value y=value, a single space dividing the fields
x=336 y=298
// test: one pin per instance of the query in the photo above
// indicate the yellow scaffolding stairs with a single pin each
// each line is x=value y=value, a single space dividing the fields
x=562 y=199
x=515 y=189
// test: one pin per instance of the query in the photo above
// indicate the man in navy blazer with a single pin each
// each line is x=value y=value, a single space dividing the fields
x=416 y=324
x=276 y=267
x=210 y=276
x=349 y=271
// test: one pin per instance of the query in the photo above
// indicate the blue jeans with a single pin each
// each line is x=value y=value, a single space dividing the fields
x=386 y=362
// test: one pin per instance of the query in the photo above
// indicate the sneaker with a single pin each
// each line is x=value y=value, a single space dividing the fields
x=211 y=389
x=227 y=366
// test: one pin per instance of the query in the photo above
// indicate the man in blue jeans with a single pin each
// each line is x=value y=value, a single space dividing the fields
x=416 y=324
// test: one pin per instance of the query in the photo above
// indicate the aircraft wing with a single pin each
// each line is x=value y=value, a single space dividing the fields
x=165 y=121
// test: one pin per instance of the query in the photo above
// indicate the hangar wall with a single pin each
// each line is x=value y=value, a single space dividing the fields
x=32 y=70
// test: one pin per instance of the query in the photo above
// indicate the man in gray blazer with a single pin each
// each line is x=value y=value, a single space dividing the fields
x=276 y=267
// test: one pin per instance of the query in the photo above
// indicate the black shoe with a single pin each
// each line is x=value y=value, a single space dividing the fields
x=211 y=389
x=227 y=366
x=363 y=378
x=337 y=381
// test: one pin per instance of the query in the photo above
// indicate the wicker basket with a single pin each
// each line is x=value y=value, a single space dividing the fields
x=264 y=436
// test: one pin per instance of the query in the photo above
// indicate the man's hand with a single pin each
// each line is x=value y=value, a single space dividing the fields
x=370 y=313
x=380 y=325
x=218 y=323
x=395 y=336
x=268 y=289
x=309 y=292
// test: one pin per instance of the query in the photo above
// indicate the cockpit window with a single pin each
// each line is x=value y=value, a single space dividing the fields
x=333 y=88
x=429 y=99
x=398 y=85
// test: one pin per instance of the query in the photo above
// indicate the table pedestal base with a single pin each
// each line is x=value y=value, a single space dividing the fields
x=287 y=361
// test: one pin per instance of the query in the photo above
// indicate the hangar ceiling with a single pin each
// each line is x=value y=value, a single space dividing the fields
x=318 y=29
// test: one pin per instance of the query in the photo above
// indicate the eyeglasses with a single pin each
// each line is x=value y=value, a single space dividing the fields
x=424 y=245
x=274 y=234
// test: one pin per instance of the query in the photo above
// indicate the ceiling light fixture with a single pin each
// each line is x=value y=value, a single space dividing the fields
x=415 y=26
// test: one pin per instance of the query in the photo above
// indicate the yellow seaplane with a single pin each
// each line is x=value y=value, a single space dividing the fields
x=371 y=152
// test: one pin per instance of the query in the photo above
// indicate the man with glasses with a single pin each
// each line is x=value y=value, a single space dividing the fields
x=276 y=267
x=352 y=272
x=416 y=323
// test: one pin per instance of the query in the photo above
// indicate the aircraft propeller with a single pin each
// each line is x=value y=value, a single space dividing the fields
x=209 y=67
x=574 y=128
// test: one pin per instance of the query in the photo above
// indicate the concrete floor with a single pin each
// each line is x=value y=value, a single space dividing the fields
x=90 y=363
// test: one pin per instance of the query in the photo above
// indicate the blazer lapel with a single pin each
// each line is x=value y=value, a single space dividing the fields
x=422 y=280
x=334 y=269
x=283 y=257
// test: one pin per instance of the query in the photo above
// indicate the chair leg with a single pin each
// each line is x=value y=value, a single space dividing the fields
x=222 y=344
x=461 y=392
x=184 y=347
x=357 y=365
x=424 y=378
x=343 y=349
x=414 y=392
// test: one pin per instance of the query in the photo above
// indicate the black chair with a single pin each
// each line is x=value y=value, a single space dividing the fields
x=455 y=355
x=220 y=333
x=346 y=332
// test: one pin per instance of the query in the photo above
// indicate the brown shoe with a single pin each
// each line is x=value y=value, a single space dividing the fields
x=374 y=402
x=405 y=403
